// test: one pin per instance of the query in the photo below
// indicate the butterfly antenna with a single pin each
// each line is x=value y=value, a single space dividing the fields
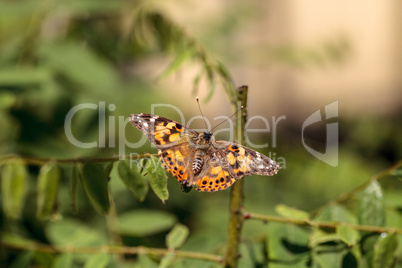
x=238 y=110
x=203 y=117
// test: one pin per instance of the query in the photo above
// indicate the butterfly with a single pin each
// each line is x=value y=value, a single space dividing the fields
x=197 y=158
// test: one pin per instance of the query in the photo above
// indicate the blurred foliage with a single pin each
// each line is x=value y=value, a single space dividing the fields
x=55 y=55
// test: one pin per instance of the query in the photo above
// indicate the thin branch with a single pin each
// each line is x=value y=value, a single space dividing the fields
x=38 y=161
x=332 y=225
x=113 y=250
x=237 y=198
x=344 y=197
x=347 y=196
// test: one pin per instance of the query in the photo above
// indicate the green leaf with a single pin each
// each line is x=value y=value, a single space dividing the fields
x=142 y=167
x=98 y=261
x=224 y=72
x=134 y=181
x=177 y=236
x=145 y=222
x=289 y=212
x=95 y=185
x=319 y=237
x=211 y=80
x=367 y=247
x=157 y=178
x=384 y=251
x=145 y=261
x=348 y=235
x=65 y=57
x=371 y=206
x=327 y=259
x=167 y=260
x=63 y=260
x=24 y=76
x=70 y=232
x=175 y=64
x=14 y=188
x=15 y=240
x=336 y=213
x=228 y=81
x=48 y=187
x=285 y=241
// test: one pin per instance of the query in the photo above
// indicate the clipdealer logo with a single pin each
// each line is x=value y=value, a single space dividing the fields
x=107 y=130
x=330 y=156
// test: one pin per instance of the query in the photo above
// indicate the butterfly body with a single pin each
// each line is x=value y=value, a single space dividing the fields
x=196 y=158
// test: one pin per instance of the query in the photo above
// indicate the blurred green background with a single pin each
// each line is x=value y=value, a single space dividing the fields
x=296 y=59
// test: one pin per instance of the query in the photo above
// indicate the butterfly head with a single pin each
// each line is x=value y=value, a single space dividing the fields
x=205 y=138
x=206 y=135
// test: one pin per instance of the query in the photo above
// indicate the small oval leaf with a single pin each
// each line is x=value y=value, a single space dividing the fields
x=348 y=235
x=133 y=180
x=384 y=250
x=144 y=260
x=177 y=236
x=157 y=178
x=371 y=206
x=95 y=184
x=289 y=212
x=63 y=260
x=48 y=188
x=318 y=237
x=14 y=188
x=73 y=233
x=98 y=261
x=335 y=213
x=167 y=260
x=145 y=222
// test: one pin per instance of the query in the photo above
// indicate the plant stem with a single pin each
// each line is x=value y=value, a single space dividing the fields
x=237 y=198
x=332 y=225
x=5 y=159
x=110 y=249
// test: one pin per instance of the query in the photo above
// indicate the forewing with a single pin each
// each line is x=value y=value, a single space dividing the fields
x=162 y=132
x=228 y=162
x=245 y=161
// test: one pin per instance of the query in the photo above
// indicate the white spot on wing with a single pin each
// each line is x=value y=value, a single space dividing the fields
x=145 y=124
